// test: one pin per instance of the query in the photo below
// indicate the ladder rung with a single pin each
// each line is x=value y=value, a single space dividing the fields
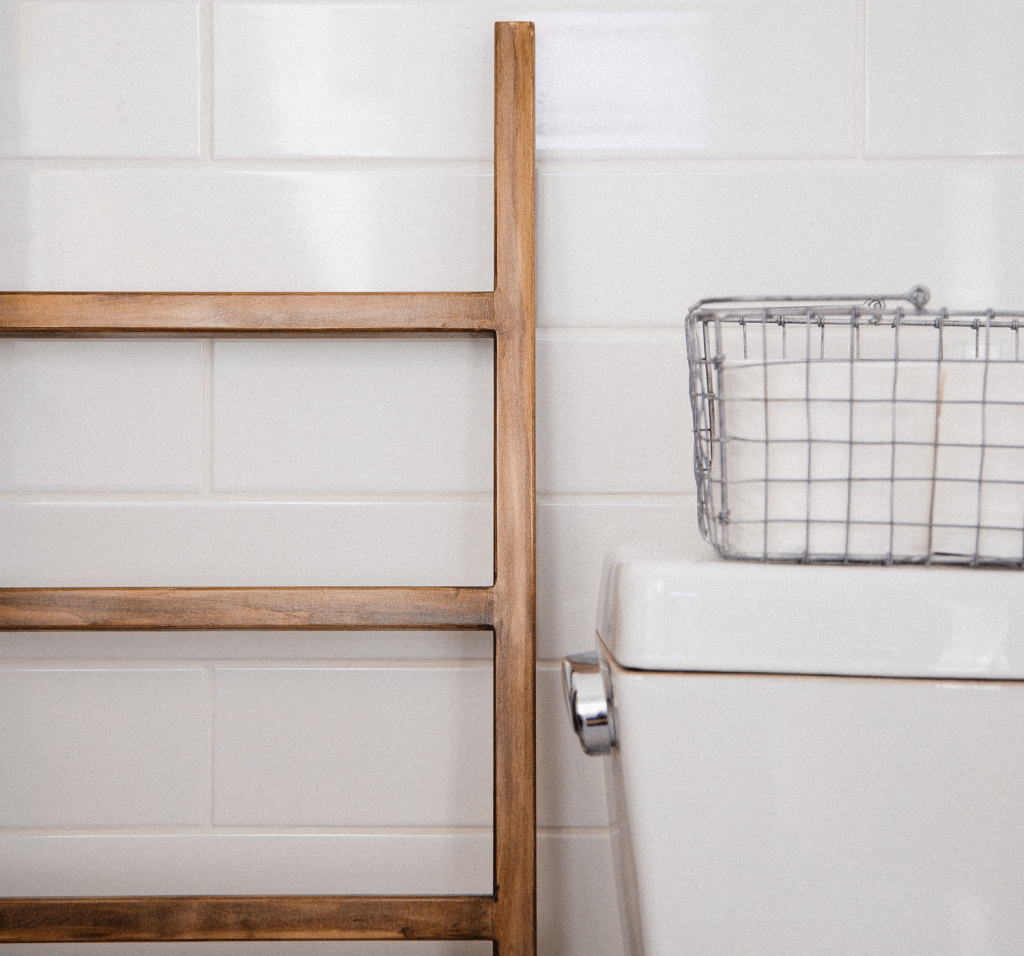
x=196 y=918
x=127 y=609
x=246 y=313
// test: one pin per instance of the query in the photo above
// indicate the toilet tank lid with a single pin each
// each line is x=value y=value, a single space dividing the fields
x=689 y=610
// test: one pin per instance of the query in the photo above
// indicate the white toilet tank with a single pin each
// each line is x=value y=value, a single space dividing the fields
x=811 y=760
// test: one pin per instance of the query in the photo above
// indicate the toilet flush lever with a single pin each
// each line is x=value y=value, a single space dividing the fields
x=587 y=686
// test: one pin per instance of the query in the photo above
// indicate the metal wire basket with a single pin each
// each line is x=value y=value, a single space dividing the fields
x=847 y=429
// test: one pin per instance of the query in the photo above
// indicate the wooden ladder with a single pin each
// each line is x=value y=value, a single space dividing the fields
x=507 y=608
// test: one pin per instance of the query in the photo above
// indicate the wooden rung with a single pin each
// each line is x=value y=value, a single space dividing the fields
x=243 y=313
x=129 y=609
x=198 y=918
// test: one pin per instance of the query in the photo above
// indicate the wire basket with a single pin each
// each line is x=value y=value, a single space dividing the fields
x=858 y=430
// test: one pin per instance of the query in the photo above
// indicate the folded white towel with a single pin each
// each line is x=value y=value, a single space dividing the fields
x=828 y=456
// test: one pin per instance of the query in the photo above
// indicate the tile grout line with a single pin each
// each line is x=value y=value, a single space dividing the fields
x=861 y=116
x=207 y=419
x=286 y=498
x=610 y=333
x=206 y=86
x=284 y=830
x=86 y=664
x=205 y=157
x=210 y=701
x=636 y=164
x=206 y=149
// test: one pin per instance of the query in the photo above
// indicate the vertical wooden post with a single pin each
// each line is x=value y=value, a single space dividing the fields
x=515 y=919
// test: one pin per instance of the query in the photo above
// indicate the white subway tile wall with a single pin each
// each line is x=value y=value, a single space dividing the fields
x=958 y=91
x=686 y=148
x=99 y=79
x=103 y=746
x=364 y=746
x=101 y=415
x=198 y=227
x=217 y=543
x=287 y=415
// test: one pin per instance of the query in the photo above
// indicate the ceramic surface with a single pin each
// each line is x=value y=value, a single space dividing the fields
x=102 y=746
x=99 y=79
x=687 y=610
x=792 y=816
x=980 y=97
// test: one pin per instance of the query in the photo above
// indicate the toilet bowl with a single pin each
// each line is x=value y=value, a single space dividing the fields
x=809 y=760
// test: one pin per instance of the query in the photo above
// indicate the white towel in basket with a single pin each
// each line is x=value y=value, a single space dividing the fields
x=871 y=457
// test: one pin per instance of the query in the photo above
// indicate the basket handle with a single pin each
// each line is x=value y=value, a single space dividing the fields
x=917 y=296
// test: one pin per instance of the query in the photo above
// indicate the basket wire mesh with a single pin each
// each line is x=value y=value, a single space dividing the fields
x=845 y=429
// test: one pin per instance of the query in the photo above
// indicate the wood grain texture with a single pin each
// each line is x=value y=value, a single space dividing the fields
x=198 y=918
x=262 y=609
x=509 y=608
x=515 y=915
x=242 y=313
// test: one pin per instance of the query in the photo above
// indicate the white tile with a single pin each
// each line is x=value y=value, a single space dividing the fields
x=154 y=864
x=700 y=78
x=372 y=80
x=99 y=79
x=181 y=230
x=353 y=746
x=577 y=913
x=102 y=747
x=570 y=784
x=268 y=544
x=944 y=78
x=703 y=78
x=572 y=539
x=613 y=413
x=354 y=415
x=244 y=645
x=100 y=415
x=614 y=249
x=639 y=249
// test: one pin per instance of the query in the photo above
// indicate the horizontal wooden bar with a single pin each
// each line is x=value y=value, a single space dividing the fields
x=198 y=918
x=243 y=313
x=160 y=609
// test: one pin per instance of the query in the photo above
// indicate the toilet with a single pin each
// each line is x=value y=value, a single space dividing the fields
x=809 y=760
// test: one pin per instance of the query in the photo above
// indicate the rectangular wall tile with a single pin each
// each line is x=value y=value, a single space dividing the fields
x=959 y=93
x=698 y=78
x=99 y=79
x=100 y=415
x=182 y=230
x=240 y=544
x=613 y=413
x=639 y=249
x=572 y=540
x=244 y=645
x=269 y=863
x=354 y=415
x=353 y=746
x=103 y=747
x=577 y=913
x=303 y=79
x=570 y=784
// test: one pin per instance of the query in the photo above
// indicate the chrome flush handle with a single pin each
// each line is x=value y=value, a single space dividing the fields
x=587 y=686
